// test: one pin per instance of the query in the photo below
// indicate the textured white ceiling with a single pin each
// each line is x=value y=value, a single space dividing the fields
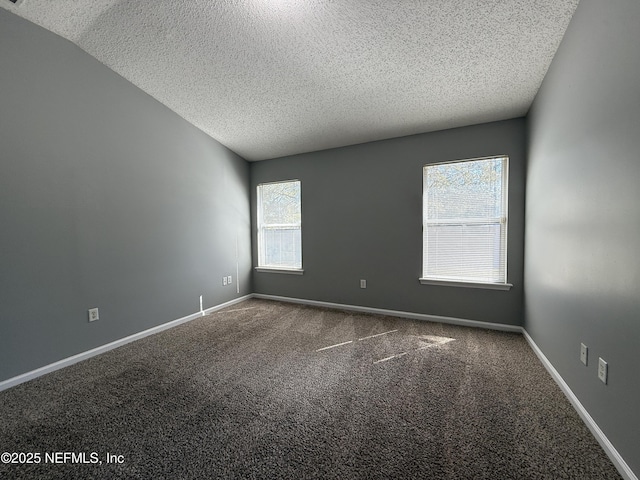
x=269 y=78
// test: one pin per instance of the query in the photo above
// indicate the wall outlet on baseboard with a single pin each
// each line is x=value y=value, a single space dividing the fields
x=363 y=283
x=584 y=353
x=94 y=314
x=224 y=281
x=229 y=280
x=603 y=370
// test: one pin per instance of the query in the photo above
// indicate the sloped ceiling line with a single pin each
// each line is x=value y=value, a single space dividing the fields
x=269 y=78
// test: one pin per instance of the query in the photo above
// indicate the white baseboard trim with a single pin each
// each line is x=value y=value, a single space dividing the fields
x=395 y=313
x=602 y=439
x=65 y=362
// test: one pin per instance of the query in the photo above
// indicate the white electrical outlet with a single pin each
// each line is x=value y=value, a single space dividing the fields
x=94 y=314
x=584 y=353
x=603 y=370
x=363 y=283
x=229 y=280
x=224 y=281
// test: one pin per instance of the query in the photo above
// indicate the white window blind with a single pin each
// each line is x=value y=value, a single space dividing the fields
x=465 y=221
x=279 y=225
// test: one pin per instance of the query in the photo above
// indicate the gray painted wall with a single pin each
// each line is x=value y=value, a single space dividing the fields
x=107 y=199
x=583 y=216
x=362 y=218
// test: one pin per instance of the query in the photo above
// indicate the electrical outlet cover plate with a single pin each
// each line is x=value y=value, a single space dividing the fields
x=363 y=283
x=584 y=353
x=93 y=314
x=603 y=370
x=224 y=281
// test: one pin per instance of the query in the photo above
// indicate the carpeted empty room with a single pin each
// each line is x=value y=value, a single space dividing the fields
x=279 y=239
x=264 y=389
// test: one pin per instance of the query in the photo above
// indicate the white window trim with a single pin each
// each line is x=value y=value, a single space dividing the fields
x=502 y=220
x=260 y=230
x=459 y=283
x=289 y=271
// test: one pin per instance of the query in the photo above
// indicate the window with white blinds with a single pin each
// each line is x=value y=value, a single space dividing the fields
x=465 y=221
x=279 y=225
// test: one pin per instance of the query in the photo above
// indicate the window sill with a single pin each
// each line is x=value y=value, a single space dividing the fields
x=458 y=283
x=288 y=271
